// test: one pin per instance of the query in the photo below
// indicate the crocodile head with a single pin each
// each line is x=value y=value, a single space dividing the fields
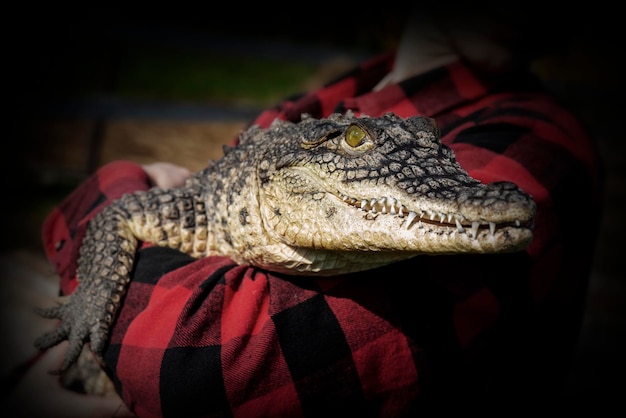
x=351 y=193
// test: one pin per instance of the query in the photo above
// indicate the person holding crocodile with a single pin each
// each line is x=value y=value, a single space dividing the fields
x=212 y=337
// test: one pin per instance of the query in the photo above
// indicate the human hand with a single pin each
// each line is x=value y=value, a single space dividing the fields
x=166 y=175
x=40 y=393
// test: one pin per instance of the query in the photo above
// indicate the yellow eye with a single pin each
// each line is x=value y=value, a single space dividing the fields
x=355 y=135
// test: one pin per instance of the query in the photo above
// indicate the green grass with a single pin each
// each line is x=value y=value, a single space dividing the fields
x=186 y=74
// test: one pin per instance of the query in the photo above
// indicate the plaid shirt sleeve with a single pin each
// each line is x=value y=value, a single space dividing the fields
x=210 y=338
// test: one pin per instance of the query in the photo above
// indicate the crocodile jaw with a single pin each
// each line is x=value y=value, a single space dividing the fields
x=361 y=241
x=324 y=233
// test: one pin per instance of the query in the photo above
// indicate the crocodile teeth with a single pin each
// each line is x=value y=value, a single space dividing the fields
x=383 y=206
x=410 y=218
x=372 y=204
x=475 y=226
x=392 y=206
x=459 y=227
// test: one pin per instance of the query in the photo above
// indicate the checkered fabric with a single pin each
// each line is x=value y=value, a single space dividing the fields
x=210 y=338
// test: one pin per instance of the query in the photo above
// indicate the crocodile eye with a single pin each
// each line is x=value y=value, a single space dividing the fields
x=355 y=135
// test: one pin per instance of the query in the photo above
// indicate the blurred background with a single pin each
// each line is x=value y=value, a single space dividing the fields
x=85 y=88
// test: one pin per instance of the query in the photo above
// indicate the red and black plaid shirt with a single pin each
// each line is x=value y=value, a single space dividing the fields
x=210 y=338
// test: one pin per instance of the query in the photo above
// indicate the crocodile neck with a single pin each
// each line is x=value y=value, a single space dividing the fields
x=231 y=205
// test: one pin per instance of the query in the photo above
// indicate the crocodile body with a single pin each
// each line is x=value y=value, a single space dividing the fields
x=319 y=197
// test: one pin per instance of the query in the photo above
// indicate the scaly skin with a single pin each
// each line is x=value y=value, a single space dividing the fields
x=320 y=197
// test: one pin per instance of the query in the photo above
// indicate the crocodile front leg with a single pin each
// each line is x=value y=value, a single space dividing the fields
x=106 y=259
x=173 y=218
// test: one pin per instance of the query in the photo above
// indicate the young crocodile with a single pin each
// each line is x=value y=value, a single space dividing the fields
x=318 y=197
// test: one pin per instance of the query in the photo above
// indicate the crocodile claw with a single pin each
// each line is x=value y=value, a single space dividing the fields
x=76 y=328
